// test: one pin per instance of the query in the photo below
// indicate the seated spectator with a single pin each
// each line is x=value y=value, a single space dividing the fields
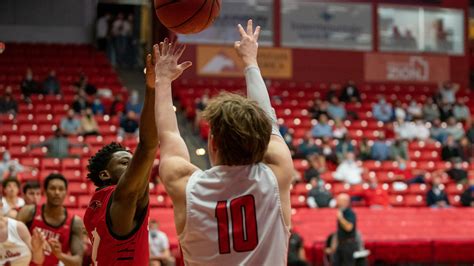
x=447 y=92
x=438 y=132
x=436 y=196
x=129 y=124
x=159 y=246
x=457 y=172
x=70 y=125
x=445 y=111
x=343 y=147
x=118 y=106
x=58 y=145
x=364 y=149
x=421 y=131
x=414 y=110
x=460 y=111
x=328 y=151
x=375 y=195
x=399 y=150
x=412 y=130
x=32 y=193
x=450 y=149
x=339 y=130
x=11 y=199
x=133 y=103
x=467 y=197
x=454 y=129
x=382 y=111
x=470 y=131
x=467 y=150
x=430 y=110
x=9 y=167
x=314 y=168
x=83 y=84
x=349 y=171
x=350 y=93
x=97 y=106
x=322 y=129
x=318 y=108
x=380 y=149
x=296 y=252
x=399 y=112
x=307 y=147
x=80 y=102
x=29 y=85
x=336 y=109
x=8 y=105
x=332 y=92
x=318 y=195
x=51 y=84
x=89 y=125
x=201 y=104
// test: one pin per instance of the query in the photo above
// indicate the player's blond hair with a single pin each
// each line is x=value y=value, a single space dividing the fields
x=240 y=129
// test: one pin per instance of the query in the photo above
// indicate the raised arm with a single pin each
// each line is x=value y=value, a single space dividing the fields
x=175 y=166
x=131 y=195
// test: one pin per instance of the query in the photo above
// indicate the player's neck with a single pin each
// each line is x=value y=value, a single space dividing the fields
x=53 y=210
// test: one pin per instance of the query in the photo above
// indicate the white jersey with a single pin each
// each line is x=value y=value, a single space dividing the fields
x=234 y=217
x=14 y=251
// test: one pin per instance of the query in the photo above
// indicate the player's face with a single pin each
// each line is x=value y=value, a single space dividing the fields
x=33 y=196
x=118 y=165
x=56 y=192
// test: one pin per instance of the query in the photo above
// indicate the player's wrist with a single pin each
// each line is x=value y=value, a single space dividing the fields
x=162 y=81
x=248 y=62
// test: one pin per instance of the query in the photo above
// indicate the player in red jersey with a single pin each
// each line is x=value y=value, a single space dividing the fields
x=62 y=231
x=117 y=216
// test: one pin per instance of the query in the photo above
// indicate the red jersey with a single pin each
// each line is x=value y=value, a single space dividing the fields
x=62 y=233
x=107 y=247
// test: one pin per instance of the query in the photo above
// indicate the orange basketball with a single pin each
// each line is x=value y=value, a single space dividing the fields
x=188 y=16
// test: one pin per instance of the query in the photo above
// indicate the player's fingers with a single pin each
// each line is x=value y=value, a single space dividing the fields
x=149 y=64
x=241 y=31
x=156 y=50
x=250 y=27
x=185 y=65
x=180 y=51
x=166 y=46
x=173 y=46
x=236 y=44
x=256 y=34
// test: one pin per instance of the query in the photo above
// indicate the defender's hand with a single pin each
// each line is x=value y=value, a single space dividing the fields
x=37 y=240
x=247 y=47
x=166 y=57
x=150 y=72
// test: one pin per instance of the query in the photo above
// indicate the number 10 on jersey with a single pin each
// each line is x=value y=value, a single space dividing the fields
x=244 y=224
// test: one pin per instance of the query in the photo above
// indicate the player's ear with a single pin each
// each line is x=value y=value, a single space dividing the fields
x=104 y=175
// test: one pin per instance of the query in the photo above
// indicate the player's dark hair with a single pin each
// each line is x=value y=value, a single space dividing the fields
x=31 y=185
x=10 y=180
x=99 y=161
x=54 y=176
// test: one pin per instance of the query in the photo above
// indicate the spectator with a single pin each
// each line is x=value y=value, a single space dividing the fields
x=201 y=104
x=460 y=111
x=436 y=197
x=318 y=108
x=430 y=110
x=70 y=125
x=296 y=252
x=364 y=149
x=421 y=131
x=118 y=106
x=382 y=111
x=346 y=232
x=438 y=132
x=470 y=131
x=102 y=30
x=89 y=125
x=467 y=149
x=97 y=106
x=159 y=246
x=9 y=166
x=318 y=195
x=8 y=105
x=467 y=197
x=129 y=124
x=80 y=102
x=399 y=112
x=119 y=41
x=445 y=111
x=350 y=93
x=322 y=129
x=29 y=85
x=343 y=147
x=450 y=149
x=127 y=33
x=134 y=104
x=454 y=129
x=58 y=145
x=447 y=92
x=11 y=201
x=380 y=149
x=32 y=193
x=339 y=130
x=414 y=110
x=332 y=92
x=410 y=130
x=307 y=147
x=349 y=171
x=375 y=195
x=456 y=172
x=84 y=85
x=328 y=151
x=336 y=109
x=399 y=150
x=51 y=84
x=314 y=168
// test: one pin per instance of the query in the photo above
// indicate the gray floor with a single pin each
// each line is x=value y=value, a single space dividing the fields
x=134 y=80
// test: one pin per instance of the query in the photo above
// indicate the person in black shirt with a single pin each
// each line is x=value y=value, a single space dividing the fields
x=296 y=253
x=457 y=173
x=436 y=197
x=350 y=93
x=467 y=197
x=346 y=232
x=318 y=196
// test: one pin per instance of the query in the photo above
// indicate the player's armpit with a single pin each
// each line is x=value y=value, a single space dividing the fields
x=174 y=173
x=278 y=157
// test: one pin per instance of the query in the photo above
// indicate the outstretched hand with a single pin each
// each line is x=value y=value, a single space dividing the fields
x=166 y=56
x=247 y=47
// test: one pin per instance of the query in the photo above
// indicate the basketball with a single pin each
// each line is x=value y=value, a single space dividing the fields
x=2 y=47
x=187 y=17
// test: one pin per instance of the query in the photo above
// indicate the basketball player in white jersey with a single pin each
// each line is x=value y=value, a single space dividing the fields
x=17 y=247
x=237 y=212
